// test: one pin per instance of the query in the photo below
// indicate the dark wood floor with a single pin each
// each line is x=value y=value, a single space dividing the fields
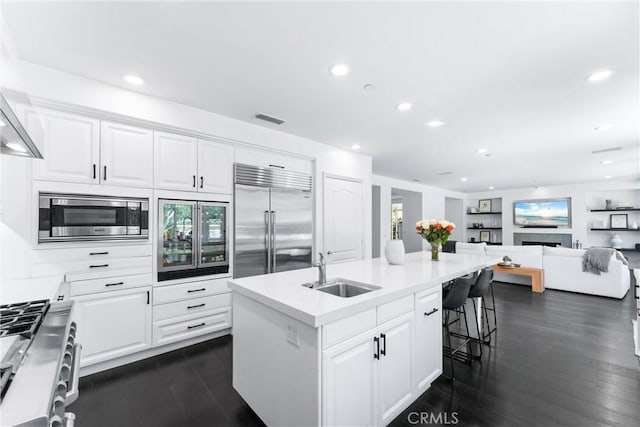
x=559 y=359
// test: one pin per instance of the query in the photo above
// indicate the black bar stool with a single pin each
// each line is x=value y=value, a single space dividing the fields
x=481 y=289
x=453 y=300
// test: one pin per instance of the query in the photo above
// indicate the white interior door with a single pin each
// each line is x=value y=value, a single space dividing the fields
x=343 y=222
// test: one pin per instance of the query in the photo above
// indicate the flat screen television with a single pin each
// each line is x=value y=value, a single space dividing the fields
x=542 y=213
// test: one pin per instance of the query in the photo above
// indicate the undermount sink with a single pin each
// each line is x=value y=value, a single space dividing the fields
x=342 y=287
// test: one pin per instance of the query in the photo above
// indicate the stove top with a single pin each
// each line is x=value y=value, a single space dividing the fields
x=22 y=318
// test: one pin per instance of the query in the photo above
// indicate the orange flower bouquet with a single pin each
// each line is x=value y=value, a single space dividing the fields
x=435 y=232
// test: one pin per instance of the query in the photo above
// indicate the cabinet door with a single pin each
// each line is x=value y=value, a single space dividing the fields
x=349 y=378
x=126 y=155
x=428 y=355
x=113 y=324
x=176 y=161
x=215 y=165
x=69 y=143
x=396 y=358
x=273 y=160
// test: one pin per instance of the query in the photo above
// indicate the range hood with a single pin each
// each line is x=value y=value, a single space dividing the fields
x=14 y=140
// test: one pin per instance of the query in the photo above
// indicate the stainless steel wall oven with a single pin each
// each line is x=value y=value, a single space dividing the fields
x=64 y=217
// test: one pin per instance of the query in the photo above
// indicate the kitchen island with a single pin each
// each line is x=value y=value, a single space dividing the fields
x=305 y=357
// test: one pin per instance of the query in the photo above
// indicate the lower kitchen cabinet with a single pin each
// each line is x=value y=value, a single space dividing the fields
x=428 y=319
x=181 y=328
x=372 y=370
x=114 y=324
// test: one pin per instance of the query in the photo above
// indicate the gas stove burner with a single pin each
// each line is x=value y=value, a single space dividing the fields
x=22 y=318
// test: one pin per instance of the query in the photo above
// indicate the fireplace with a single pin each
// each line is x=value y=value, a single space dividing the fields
x=542 y=239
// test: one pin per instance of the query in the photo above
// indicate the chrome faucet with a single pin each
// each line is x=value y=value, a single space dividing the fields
x=322 y=269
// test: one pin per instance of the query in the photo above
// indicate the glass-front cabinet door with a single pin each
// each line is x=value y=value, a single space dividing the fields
x=213 y=248
x=176 y=247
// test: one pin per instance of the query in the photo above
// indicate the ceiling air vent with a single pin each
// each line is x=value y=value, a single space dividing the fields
x=269 y=119
x=444 y=173
x=606 y=150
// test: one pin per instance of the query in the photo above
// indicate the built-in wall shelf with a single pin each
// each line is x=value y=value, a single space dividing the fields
x=615 y=229
x=484 y=228
x=484 y=213
x=617 y=210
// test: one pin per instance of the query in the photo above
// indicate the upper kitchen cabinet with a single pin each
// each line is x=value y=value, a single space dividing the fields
x=215 y=163
x=69 y=143
x=270 y=159
x=187 y=164
x=126 y=154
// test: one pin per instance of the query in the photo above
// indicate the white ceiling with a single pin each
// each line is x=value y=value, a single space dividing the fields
x=508 y=77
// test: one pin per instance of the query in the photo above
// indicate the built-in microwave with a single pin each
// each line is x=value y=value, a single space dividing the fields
x=66 y=217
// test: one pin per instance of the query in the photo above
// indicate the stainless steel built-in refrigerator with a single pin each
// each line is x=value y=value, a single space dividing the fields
x=273 y=220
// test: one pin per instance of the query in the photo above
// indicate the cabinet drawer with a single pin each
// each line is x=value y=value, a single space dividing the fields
x=178 y=329
x=80 y=270
x=164 y=294
x=274 y=160
x=190 y=306
x=393 y=309
x=343 y=329
x=427 y=301
x=49 y=256
x=83 y=287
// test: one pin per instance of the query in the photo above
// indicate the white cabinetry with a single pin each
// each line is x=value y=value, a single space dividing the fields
x=126 y=155
x=188 y=164
x=114 y=324
x=368 y=380
x=270 y=159
x=428 y=319
x=69 y=143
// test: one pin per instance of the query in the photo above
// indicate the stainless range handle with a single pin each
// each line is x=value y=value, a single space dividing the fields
x=74 y=378
x=268 y=237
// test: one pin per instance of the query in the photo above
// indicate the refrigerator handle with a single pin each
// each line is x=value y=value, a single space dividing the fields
x=273 y=241
x=268 y=237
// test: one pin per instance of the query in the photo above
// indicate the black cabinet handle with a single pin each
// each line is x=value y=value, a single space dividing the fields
x=195 y=306
x=383 y=337
x=199 y=325
x=435 y=310
x=105 y=172
x=148 y=297
x=202 y=182
x=194 y=181
x=376 y=355
x=196 y=290
x=94 y=171
x=98 y=253
x=99 y=266
x=276 y=166
x=114 y=284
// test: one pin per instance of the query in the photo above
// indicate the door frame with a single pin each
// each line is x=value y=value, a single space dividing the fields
x=325 y=176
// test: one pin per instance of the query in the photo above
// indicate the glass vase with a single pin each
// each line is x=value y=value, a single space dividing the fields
x=434 y=250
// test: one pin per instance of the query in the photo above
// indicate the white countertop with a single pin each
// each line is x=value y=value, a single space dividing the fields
x=23 y=290
x=284 y=291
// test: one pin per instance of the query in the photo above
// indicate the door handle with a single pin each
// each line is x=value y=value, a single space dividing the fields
x=276 y=166
x=268 y=237
x=273 y=240
x=105 y=172
x=114 y=284
x=329 y=253
x=189 y=307
x=383 y=351
x=196 y=290
x=94 y=171
x=99 y=266
x=431 y=312
x=148 y=297
x=202 y=182
x=98 y=253
x=199 y=325
x=194 y=181
x=376 y=341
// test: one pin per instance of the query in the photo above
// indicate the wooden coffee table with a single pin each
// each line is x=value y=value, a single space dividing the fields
x=536 y=274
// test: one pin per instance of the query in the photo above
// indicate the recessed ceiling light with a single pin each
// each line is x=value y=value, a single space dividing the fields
x=2 y=124
x=492 y=188
x=355 y=147
x=132 y=79
x=403 y=106
x=604 y=127
x=600 y=75
x=339 y=70
x=15 y=146
x=434 y=123
x=481 y=150
x=463 y=179
x=606 y=162
x=608 y=177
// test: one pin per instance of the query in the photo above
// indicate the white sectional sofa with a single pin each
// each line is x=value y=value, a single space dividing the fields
x=562 y=268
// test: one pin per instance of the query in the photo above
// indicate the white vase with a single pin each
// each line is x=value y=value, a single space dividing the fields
x=394 y=252
x=616 y=242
